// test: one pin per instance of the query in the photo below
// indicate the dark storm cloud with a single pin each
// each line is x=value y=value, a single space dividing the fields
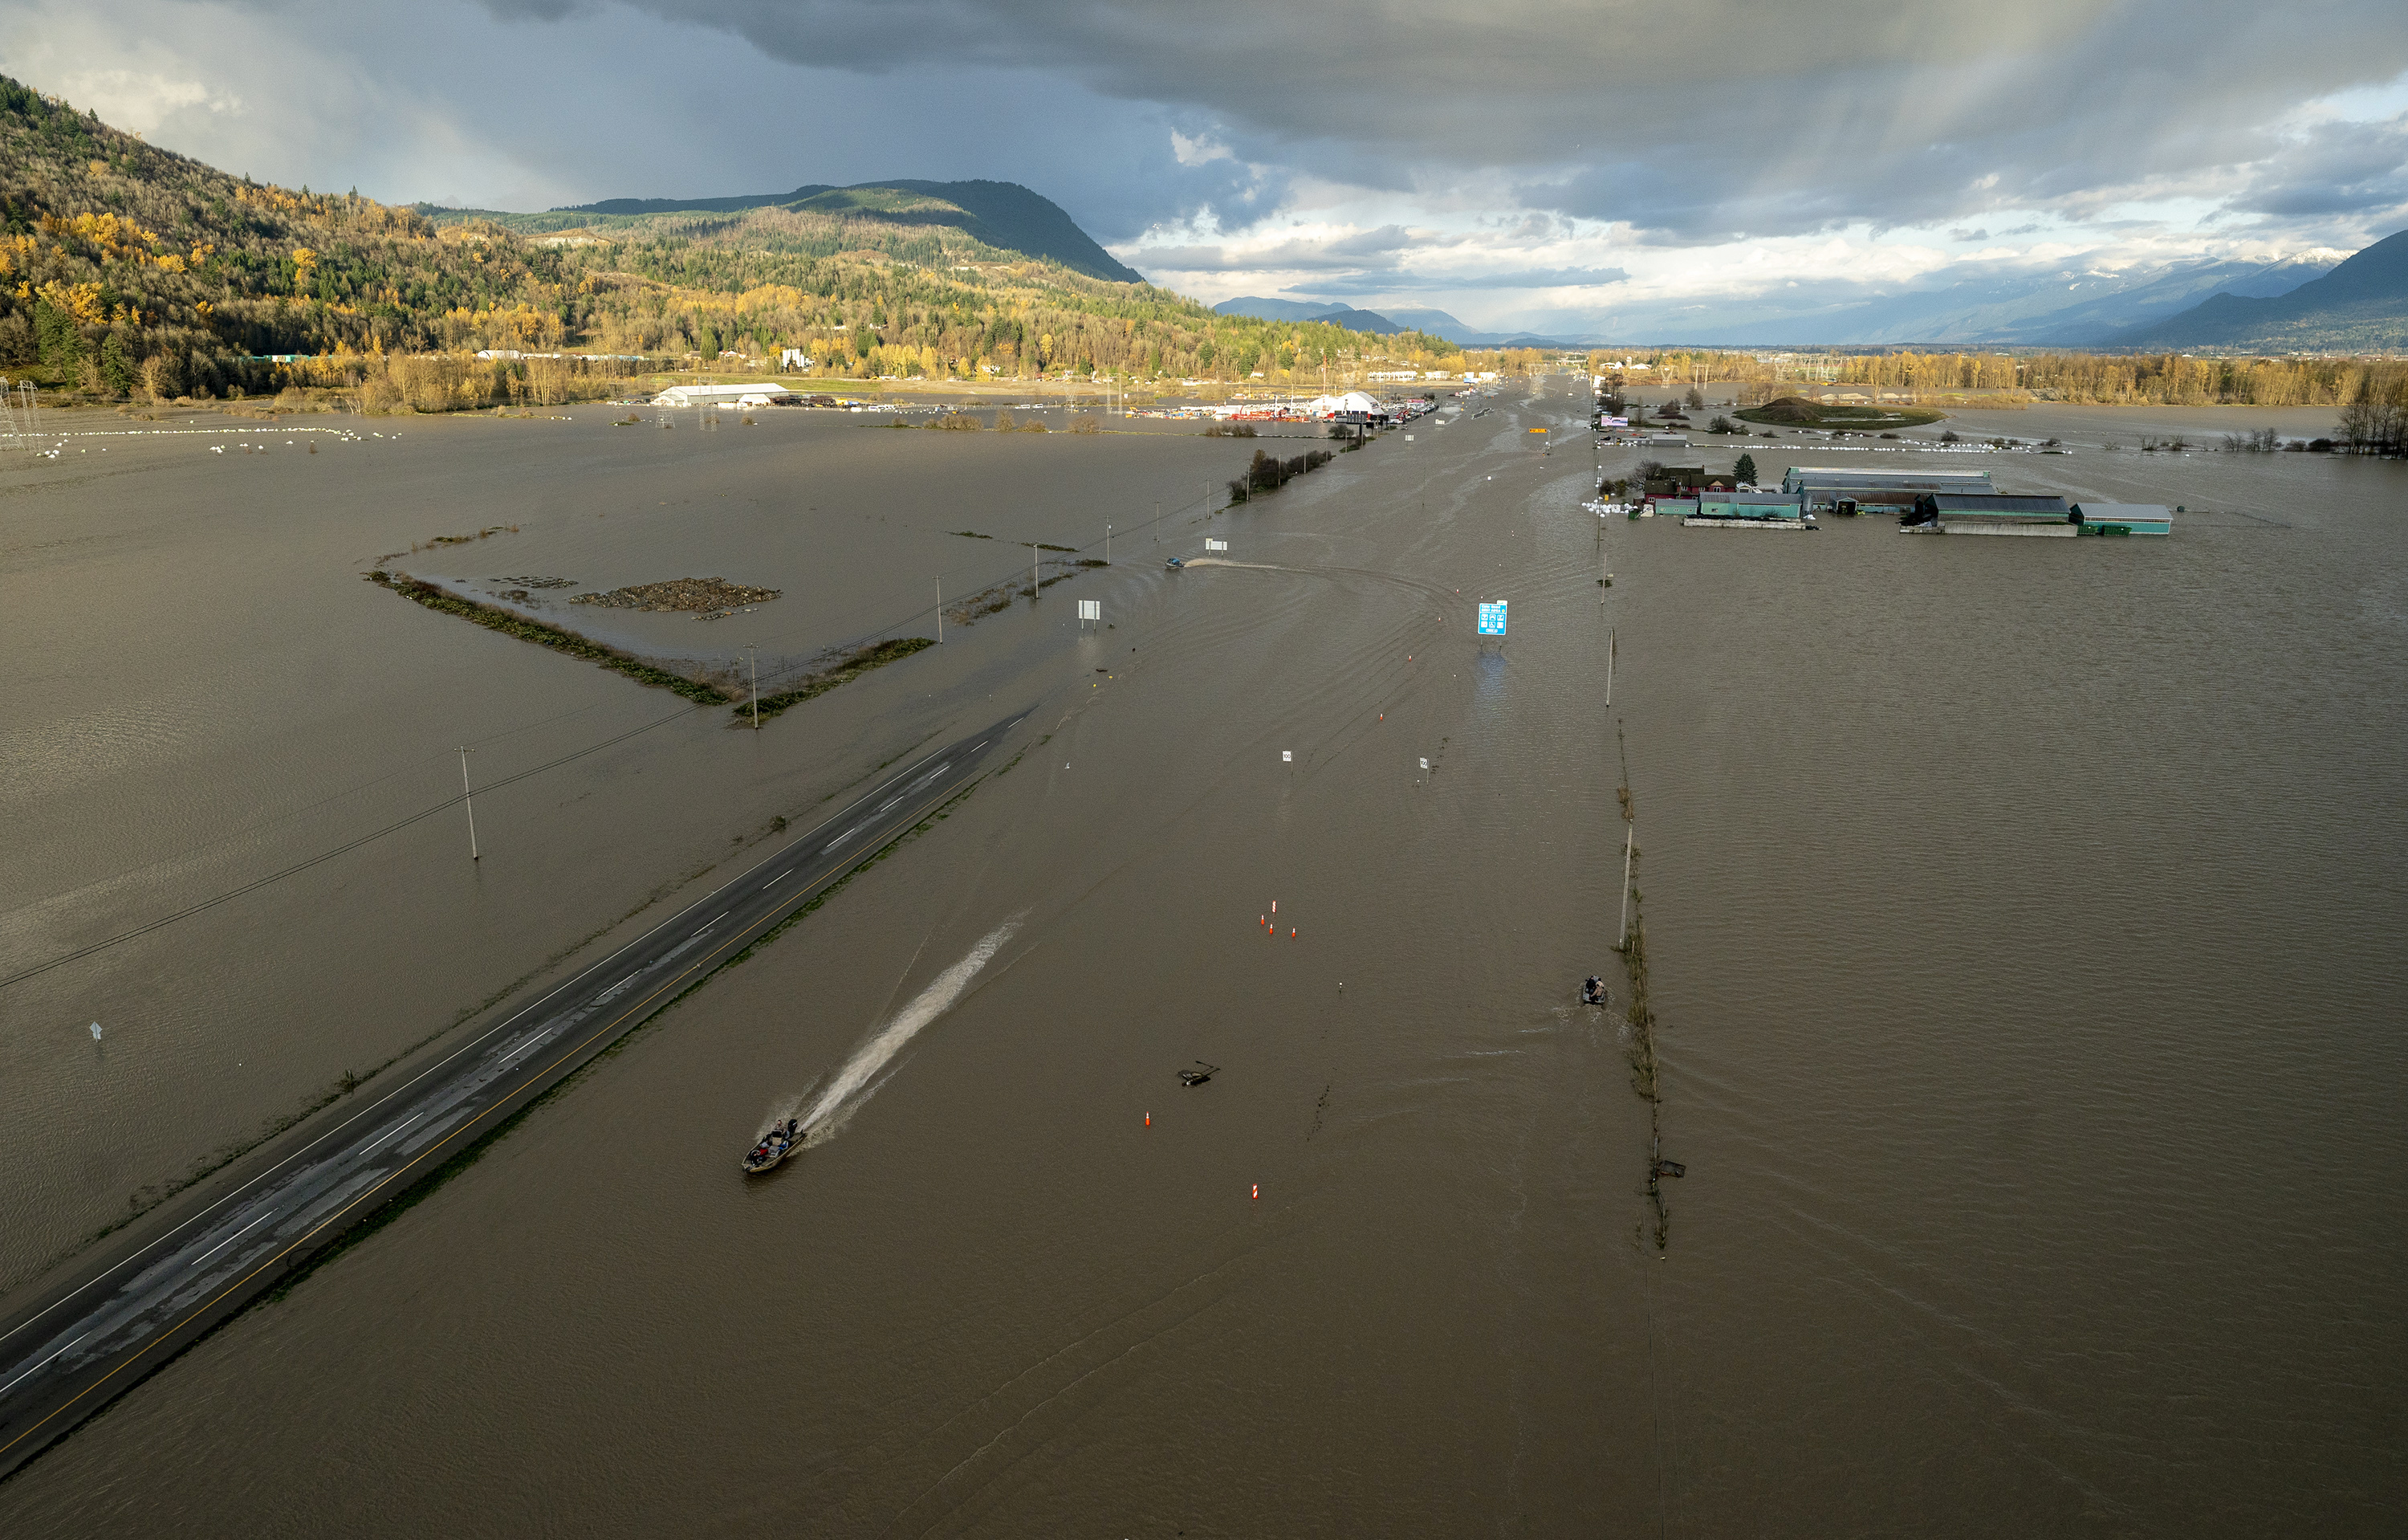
x=1515 y=146
x=2336 y=168
x=1727 y=118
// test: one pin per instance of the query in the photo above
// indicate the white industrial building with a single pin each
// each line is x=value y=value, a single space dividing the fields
x=759 y=394
x=1353 y=401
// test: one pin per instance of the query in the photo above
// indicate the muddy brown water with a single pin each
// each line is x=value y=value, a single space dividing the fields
x=2024 y=917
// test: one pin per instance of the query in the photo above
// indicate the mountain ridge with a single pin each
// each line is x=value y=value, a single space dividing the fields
x=1261 y=309
x=131 y=272
x=1428 y=323
x=2361 y=306
x=1002 y=214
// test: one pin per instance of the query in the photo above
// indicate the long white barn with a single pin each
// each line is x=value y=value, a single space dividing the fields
x=760 y=393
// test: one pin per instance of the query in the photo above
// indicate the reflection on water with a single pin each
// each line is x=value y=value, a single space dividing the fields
x=1488 y=675
x=2022 y=921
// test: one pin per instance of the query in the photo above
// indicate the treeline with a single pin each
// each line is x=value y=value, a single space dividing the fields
x=381 y=382
x=2093 y=379
x=2377 y=422
x=126 y=269
x=1268 y=472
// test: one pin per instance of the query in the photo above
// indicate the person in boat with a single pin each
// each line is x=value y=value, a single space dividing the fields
x=1593 y=991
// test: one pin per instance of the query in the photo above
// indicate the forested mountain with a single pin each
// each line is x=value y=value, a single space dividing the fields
x=2359 y=307
x=1297 y=309
x=129 y=269
x=1002 y=214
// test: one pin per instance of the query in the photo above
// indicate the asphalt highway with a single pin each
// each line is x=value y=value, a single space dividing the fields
x=83 y=1342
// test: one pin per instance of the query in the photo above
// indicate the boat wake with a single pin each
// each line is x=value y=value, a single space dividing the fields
x=858 y=1080
x=787 y=1107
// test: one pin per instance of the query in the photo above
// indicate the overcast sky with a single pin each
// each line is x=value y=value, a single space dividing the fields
x=1602 y=168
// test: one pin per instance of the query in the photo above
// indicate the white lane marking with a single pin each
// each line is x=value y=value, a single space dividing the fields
x=606 y=994
x=723 y=914
x=369 y=1147
x=775 y=880
x=441 y=1065
x=233 y=1238
x=46 y=1362
x=534 y=1041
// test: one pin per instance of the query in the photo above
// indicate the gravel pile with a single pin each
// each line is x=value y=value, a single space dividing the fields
x=680 y=594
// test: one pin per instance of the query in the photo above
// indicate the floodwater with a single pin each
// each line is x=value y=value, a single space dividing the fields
x=2024 y=918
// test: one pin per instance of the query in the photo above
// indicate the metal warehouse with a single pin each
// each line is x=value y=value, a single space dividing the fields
x=1963 y=513
x=1716 y=504
x=2124 y=518
x=1829 y=486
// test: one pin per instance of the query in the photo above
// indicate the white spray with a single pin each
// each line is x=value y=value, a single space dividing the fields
x=858 y=1080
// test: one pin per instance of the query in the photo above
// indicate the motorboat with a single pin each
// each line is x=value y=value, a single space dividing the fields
x=782 y=1139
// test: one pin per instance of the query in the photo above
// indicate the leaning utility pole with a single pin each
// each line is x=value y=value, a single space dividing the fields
x=754 y=658
x=470 y=801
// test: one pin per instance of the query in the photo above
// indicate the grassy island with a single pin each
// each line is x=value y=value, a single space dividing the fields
x=1798 y=411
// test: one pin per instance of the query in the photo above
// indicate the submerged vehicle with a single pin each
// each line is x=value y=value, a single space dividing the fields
x=1197 y=1077
x=782 y=1139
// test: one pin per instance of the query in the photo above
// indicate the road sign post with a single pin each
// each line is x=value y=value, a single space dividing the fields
x=1492 y=619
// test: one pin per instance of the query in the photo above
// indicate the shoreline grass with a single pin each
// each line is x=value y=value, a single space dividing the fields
x=851 y=668
x=526 y=629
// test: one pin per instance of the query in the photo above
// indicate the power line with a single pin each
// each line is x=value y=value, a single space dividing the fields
x=397 y=826
x=325 y=856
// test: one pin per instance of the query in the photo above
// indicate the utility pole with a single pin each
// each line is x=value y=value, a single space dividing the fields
x=1624 y=933
x=754 y=658
x=941 y=612
x=469 y=801
x=1108 y=545
x=1032 y=572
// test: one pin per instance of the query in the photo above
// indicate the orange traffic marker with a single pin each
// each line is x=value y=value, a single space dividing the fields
x=1274 y=906
x=1149 y=1121
x=1258 y=1189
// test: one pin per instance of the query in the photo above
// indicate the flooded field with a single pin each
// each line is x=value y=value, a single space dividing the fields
x=2023 y=918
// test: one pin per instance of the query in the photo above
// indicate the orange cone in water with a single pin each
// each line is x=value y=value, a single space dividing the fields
x=1258 y=1189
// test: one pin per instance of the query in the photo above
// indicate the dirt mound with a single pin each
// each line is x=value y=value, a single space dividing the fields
x=1789 y=409
x=680 y=594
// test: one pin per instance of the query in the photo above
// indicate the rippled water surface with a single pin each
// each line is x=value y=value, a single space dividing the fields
x=2024 y=918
